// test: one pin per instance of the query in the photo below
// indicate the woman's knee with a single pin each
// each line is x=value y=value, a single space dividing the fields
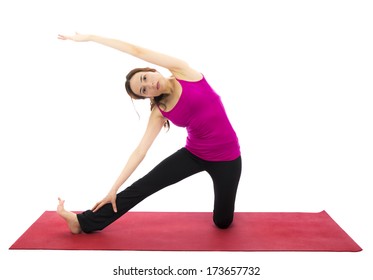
x=223 y=222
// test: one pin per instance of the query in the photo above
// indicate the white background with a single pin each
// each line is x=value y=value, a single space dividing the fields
x=296 y=79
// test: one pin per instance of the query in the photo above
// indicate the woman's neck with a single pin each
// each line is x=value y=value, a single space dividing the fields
x=171 y=86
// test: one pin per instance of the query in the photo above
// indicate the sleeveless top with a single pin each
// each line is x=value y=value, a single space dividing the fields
x=210 y=135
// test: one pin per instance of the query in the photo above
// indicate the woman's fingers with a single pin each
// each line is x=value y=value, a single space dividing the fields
x=63 y=37
x=97 y=206
x=77 y=37
x=113 y=203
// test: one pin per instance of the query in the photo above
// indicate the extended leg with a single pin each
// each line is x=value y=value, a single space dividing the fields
x=178 y=166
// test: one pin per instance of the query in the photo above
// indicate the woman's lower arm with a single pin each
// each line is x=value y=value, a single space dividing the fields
x=133 y=162
x=114 y=43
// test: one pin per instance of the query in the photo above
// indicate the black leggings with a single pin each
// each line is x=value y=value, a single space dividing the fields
x=182 y=164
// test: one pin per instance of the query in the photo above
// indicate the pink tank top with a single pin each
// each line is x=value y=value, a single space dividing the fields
x=210 y=134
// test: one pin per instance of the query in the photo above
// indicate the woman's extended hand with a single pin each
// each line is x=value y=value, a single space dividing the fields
x=77 y=37
x=110 y=198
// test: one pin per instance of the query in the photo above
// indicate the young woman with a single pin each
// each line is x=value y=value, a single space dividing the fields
x=187 y=100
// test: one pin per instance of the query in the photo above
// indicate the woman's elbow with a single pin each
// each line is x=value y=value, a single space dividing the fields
x=140 y=153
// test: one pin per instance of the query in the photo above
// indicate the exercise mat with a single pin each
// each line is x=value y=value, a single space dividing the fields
x=194 y=231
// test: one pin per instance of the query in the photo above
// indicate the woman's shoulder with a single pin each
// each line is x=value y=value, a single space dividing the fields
x=189 y=75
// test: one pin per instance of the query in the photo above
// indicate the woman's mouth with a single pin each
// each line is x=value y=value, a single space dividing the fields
x=158 y=86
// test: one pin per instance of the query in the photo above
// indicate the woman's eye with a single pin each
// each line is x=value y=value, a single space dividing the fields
x=144 y=77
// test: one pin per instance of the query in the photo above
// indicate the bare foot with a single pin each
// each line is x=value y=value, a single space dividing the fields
x=70 y=217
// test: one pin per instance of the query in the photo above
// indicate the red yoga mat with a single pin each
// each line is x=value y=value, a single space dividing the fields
x=195 y=231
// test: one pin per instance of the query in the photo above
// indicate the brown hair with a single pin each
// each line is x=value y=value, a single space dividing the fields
x=153 y=101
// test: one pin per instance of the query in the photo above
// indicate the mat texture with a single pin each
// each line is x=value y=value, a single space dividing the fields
x=194 y=231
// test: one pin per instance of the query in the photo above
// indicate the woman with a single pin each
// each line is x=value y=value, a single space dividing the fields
x=187 y=100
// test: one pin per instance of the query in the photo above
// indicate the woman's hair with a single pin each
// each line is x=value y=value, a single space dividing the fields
x=153 y=101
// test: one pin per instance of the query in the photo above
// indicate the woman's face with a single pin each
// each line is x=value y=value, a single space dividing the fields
x=147 y=84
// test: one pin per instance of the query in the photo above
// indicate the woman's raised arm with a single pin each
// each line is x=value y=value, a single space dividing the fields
x=177 y=66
